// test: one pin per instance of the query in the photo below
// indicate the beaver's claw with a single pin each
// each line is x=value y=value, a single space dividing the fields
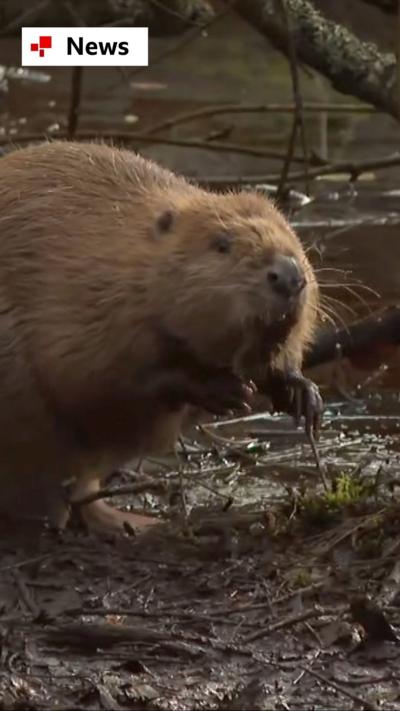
x=307 y=402
x=293 y=393
x=224 y=393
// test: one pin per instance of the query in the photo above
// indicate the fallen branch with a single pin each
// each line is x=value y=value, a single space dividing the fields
x=359 y=700
x=285 y=623
x=380 y=329
x=155 y=485
x=80 y=635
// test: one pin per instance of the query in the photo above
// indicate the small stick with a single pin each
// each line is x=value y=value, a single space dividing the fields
x=76 y=93
x=298 y=121
x=25 y=594
x=398 y=59
x=354 y=168
x=288 y=160
x=285 y=623
x=303 y=671
x=318 y=463
x=354 y=697
x=111 y=491
x=310 y=107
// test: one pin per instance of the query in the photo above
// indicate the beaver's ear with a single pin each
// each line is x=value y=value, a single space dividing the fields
x=222 y=242
x=165 y=222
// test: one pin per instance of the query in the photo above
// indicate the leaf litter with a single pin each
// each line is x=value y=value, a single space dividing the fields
x=245 y=596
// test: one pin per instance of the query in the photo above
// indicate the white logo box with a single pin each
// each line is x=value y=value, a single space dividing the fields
x=85 y=46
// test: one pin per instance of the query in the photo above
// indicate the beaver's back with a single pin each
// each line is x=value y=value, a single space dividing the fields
x=69 y=196
x=76 y=254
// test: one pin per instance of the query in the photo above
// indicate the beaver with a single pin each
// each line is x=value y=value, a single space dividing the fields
x=129 y=295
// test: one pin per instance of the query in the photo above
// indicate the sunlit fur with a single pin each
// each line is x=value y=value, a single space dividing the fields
x=89 y=276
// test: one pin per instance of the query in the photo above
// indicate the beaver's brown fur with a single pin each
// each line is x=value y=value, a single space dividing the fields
x=125 y=294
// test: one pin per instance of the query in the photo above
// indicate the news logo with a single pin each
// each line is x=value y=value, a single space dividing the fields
x=44 y=43
x=84 y=47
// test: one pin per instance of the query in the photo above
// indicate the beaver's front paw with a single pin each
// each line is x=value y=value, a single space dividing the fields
x=307 y=402
x=291 y=392
x=224 y=393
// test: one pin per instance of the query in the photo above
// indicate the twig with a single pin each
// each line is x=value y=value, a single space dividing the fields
x=285 y=623
x=318 y=463
x=303 y=671
x=174 y=13
x=25 y=594
x=370 y=680
x=76 y=94
x=329 y=682
x=182 y=616
x=182 y=494
x=188 y=37
x=308 y=107
x=216 y=146
x=298 y=101
x=76 y=78
x=233 y=445
x=111 y=491
x=27 y=17
x=23 y=563
x=354 y=168
x=130 y=137
x=313 y=587
x=398 y=58
x=287 y=162
x=106 y=635
x=326 y=548
x=75 y=16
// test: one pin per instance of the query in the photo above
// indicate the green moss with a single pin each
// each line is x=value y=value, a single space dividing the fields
x=347 y=492
x=301 y=579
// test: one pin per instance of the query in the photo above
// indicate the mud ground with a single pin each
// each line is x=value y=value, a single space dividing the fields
x=236 y=601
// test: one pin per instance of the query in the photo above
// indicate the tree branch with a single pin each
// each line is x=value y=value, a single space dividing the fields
x=387 y=6
x=163 y=17
x=353 y=67
x=376 y=331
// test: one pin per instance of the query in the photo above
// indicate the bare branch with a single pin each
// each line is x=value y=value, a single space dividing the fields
x=163 y=17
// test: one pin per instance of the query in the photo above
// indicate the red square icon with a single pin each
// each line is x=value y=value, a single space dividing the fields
x=45 y=42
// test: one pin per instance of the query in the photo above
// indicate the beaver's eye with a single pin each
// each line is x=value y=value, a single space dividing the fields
x=222 y=243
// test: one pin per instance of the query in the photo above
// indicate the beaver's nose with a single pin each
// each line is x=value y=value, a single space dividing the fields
x=286 y=277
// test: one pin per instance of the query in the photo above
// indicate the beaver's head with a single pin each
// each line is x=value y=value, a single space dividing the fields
x=231 y=266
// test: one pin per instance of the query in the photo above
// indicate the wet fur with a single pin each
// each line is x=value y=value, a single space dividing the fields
x=102 y=255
